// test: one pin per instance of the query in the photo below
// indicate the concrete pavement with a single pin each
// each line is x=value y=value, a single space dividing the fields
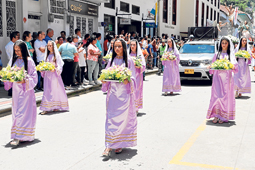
x=172 y=134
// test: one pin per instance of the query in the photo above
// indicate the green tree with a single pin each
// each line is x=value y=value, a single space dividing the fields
x=241 y=4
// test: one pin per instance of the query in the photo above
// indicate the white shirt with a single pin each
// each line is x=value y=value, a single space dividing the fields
x=82 y=61
x=39 y=55
x=9 y=49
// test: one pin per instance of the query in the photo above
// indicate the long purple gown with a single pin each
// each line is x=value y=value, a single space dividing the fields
x=139 y=83
x=243 y=78
x=222 y=103
x=54 y=95
x=23 y=103
x=171 y=75
x=121 y=119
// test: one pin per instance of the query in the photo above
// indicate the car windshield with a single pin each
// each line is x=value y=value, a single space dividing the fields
x=197 y=48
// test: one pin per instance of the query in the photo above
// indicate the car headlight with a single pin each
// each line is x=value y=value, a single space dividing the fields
x=206 y=62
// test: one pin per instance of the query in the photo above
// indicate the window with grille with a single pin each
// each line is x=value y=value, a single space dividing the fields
x=57 y=6
x=165 y=10
x=174 y=12
x=10 y=17
x=135 y=10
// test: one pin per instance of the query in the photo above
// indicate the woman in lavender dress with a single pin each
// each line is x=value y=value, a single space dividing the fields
x=54 y=95
x=171 y=75
x=136 y=52
x=222 y=103
x=23 y=96
x=243 y=77
x=121 y=119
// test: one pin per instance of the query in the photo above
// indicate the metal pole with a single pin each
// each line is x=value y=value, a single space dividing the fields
x=156 y=18
x=116 y=21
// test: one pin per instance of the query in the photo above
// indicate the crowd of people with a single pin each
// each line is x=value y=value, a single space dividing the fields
x=76 y=59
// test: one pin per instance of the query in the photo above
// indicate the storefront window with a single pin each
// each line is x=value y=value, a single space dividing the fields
x=111 y=4
x=165 y=10
x=110 y=21
x=135 y=10
x=124 y=6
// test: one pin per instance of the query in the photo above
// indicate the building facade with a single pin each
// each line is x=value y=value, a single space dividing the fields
x=36 y=15
x=196 y=13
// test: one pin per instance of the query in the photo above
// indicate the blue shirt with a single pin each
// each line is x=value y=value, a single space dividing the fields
x=150 y=47
x=67 y=51
x=99 y=45
x=47 y=38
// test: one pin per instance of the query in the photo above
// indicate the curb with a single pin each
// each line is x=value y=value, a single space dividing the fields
x=7 y=111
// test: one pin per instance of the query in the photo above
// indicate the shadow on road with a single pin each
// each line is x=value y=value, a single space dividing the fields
x=244 y=98
x=22 y=144
x=141 y=114
x=196 y=83
x=50 y=113
x=126 y=154
x=227 y=124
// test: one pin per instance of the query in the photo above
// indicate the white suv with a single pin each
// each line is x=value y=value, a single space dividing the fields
x=195 y=57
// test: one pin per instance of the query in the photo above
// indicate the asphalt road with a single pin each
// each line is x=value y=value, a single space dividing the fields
x=173 y=133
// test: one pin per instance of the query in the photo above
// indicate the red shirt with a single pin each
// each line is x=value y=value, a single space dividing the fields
x=76 y=58
x=105 y=45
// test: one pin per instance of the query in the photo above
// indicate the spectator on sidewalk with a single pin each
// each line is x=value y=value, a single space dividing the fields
x=68 y=51
x=35 y=36
x=49 y=35
x=40 y=45
x=63 y=35
x=92 y=60
x=9 y=47
x=86 y=37
x=60 y=42
x=150 y=57
x=78 y=33
x=77 y=70
x=82 y=64
x=100 y=57
x=27 y=38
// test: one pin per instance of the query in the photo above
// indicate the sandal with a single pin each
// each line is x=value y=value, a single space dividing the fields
x=215 y=120
x=171 y=93
x=118 y=151
x=107 y=153
x=43 y=113
x=240 y=95
x=15 y=142
x=221 y=121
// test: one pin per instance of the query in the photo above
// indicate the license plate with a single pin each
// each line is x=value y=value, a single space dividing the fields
x=189 y=71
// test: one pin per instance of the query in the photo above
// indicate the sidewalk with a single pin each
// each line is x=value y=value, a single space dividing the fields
x=6 y=101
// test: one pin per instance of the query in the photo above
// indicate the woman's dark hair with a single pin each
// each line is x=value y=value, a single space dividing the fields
x=25 y=35
x=69 y=39
x=172 y=44
x=124 y=46
x=240 y=44
x=86 y=36
x=136 y=46
x=24 y=52
x=220 y=48
x=90 y=40
x=48 y=52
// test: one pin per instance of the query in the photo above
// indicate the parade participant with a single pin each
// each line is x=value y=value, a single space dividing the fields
x=23 y=96
x=253 y=57
x=243 y=78
x=171 y=76
x=54 y=95
x=145 y=54
x=222 y=103
x=121 y=119
x=111 y=47
x=162 y=49
x=136 y=52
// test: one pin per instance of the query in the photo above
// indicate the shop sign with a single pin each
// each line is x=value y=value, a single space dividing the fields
x=150 y=25
x=125 y=21
x=82 y=8
x=110 y=27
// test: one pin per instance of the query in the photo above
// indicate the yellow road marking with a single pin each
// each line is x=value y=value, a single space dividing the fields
x=185 y=148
